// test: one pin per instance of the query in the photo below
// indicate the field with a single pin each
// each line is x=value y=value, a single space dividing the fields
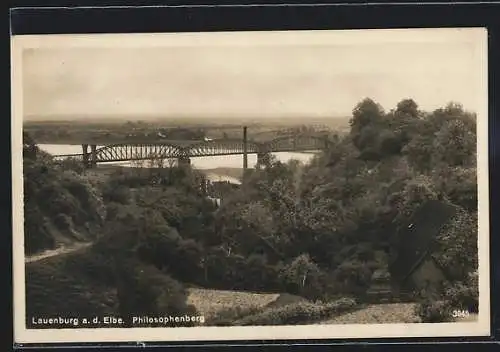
x=106 y=131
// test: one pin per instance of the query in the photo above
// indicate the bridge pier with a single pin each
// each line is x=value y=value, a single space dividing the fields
x=183 y=160
x=93 y=156
x=85 y=148
x=89 y=159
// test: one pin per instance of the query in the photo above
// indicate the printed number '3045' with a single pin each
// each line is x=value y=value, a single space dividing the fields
x=460 y=313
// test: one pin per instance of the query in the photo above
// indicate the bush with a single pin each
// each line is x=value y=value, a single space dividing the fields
x=144 y=290
x=228 y=316
x=116 y=193
x=353 y=276
x=434 y=311
x=299 y=313
x=460 y=295
x=303 y=277
x=37 y=234
x=55 y=199
x=456 y=246
x=63 y=222
x=464 y=295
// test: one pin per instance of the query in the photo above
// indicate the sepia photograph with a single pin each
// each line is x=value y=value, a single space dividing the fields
x=265 y=185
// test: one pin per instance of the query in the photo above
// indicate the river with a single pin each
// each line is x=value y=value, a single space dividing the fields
x=200 y=163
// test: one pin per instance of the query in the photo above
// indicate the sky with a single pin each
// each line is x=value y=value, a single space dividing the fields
x=253 y=75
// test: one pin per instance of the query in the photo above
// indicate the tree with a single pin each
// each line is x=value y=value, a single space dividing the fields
x=366 y=113
x=247 y=228
x=301 y=275
x=407 y=108
x=140 y=243
x=420 y=153
x=456 y=249
x=455 y=144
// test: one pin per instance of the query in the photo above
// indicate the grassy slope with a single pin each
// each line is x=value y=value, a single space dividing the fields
x=72 y=284
x=77 y=284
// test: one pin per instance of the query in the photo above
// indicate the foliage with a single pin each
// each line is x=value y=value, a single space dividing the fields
x=144 y=290
x=456 y=249
x=433 y=310
x=303 y=276
x=227 y=316
x=462 y=296
x=319 y=230
x=58 y=204
x=134 y=240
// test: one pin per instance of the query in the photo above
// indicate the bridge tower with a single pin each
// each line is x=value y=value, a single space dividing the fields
x=89 y=159
x=245 y=152
x=93 y=155
x=183 y=160
x=85 y=148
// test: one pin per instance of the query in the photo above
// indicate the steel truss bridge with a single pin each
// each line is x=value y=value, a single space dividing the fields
x=168 y=150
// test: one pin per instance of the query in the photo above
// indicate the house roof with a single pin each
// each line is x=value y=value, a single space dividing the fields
x=416 y=238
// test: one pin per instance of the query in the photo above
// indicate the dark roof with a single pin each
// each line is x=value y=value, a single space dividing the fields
x=416 y=238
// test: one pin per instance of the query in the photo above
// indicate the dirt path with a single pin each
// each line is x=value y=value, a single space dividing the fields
x=212 y=302
x=55 y=252
x=390 y=313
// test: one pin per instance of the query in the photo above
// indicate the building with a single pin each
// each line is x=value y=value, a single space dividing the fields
x=414 y=269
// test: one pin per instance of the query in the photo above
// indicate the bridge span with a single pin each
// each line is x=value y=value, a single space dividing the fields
x=183 y=152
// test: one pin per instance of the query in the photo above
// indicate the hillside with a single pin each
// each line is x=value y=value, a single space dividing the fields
x=86 y=283
x=317 y=237
x=61 y=207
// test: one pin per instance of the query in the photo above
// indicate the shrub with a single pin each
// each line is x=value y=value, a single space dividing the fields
x=55 y=199
x=37 y=235
x=228 y=316
x=433 y=311
x=303 y=276
x=353 y=276
x=145 y=290
x=299 y=313
x=460 y=295
x=116 y=193
x=456 y=248
x=63 y=222
x=464 y=295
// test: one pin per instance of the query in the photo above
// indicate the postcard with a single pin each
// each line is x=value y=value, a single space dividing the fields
x=230 y=186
